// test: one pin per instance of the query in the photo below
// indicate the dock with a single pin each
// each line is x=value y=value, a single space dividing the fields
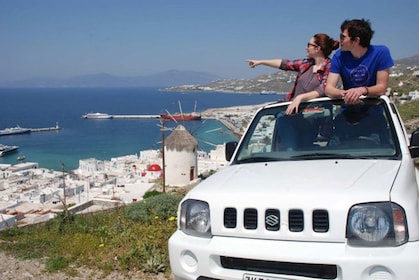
x=136 y=116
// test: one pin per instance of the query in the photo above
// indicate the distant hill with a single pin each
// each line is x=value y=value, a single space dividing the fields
x=176 y=80
x=163 y=79
x=413 y=60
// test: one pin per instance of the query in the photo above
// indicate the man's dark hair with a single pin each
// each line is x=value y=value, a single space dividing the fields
x=359 y=28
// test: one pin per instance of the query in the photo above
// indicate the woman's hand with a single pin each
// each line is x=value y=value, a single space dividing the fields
x=293 y=107
x=253 y=63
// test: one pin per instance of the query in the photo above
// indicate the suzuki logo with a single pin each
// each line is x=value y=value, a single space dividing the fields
x=272 y=220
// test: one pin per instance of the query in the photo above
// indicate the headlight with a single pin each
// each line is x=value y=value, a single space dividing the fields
x=376 y=224
x=195 y=218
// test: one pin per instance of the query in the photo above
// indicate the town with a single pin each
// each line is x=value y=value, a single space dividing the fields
x=30 y=194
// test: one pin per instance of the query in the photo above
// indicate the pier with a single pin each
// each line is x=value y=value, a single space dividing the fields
x=136 y=116
x=52 y=128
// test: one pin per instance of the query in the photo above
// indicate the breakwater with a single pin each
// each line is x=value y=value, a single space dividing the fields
x=52 y=128
x=135 y=116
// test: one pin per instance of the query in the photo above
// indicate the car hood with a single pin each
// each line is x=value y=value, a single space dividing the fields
x=331 y=185
x=363 y=180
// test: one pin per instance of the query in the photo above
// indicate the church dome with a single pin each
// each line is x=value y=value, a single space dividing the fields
x=154 y=167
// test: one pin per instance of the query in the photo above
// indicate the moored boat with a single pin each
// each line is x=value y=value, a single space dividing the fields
x=14 y=130
x=182 y=116
x=20 y=157
x=97 y=115
x=4 y=149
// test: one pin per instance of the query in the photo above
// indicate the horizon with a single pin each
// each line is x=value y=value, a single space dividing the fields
x=56 y=39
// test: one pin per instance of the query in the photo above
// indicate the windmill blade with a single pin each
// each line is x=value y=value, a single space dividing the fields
x=165 y=128
x=180 y=108
x=209 y=143
x=213 y=130
x=171 y=116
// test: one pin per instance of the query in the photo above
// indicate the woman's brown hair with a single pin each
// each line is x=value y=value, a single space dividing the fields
x=326 y=43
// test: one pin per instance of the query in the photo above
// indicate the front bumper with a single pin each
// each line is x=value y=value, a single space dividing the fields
x=240 y=258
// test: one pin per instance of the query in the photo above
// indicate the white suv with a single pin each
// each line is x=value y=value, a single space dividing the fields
x=327 y=193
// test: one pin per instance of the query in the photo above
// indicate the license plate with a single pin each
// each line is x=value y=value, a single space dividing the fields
x=261 y=277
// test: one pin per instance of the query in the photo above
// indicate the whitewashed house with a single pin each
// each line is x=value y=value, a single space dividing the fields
x=413 y=95
x=91 y=166
x=7 y=221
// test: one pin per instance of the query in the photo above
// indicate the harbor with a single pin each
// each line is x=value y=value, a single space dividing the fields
x=133 y=128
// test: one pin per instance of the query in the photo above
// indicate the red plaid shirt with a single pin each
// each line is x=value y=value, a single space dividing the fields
x=302 y=65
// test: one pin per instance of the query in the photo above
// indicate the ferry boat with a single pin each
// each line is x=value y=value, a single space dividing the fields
x=4 y=149
x=97 y=115
x=14 y=130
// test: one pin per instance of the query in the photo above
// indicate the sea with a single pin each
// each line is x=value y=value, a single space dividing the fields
x=81 y=138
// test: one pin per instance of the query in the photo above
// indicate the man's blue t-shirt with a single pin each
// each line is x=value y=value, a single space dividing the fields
x=363 y=71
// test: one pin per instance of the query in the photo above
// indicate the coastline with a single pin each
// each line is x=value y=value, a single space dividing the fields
x=234 y=118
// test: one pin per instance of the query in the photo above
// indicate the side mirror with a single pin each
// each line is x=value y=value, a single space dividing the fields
x=230 y=148
x=414 y=144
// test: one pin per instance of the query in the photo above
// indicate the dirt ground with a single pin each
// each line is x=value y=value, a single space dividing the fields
x=10 y=268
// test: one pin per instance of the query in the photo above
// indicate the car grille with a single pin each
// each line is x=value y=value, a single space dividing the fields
x=317 y=271
x=272 y=219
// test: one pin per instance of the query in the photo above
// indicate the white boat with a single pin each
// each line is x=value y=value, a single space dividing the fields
x=21 y=157
x=4 y=149
x=14 y=130
x=97 y=115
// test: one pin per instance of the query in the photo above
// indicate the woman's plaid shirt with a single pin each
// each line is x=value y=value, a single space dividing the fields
x=302 y=65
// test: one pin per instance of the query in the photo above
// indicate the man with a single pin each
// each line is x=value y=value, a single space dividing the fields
x=363 y=68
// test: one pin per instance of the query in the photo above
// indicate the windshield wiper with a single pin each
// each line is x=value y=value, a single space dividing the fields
x=256 y=159
x=323 y=156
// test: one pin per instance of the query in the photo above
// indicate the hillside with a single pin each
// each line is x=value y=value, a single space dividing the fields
x=402 y=81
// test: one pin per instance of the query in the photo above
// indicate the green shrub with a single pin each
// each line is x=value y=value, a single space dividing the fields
x=161 y=207
x=151 y=194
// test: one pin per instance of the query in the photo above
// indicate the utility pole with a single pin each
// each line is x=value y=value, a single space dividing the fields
x=64 y=201
x=163 y=155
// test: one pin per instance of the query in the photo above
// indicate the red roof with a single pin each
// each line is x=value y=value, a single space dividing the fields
x=154 y=167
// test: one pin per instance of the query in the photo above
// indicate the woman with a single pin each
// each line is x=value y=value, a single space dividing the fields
x=312 y=71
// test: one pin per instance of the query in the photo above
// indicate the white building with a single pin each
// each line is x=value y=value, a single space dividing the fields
x=7 y=221
x=413 y=95
x=91 y=166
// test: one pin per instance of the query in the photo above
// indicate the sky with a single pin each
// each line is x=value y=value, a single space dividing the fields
x=65 y=38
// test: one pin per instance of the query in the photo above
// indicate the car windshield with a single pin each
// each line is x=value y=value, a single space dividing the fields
x=322 y=129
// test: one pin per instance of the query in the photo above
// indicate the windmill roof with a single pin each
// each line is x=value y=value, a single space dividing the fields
x=180 y=139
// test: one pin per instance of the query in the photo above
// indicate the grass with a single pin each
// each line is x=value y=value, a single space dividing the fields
x=409 y=111
x=128 y=238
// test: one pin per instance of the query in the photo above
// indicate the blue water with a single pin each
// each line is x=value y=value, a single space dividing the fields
x=103 y=139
